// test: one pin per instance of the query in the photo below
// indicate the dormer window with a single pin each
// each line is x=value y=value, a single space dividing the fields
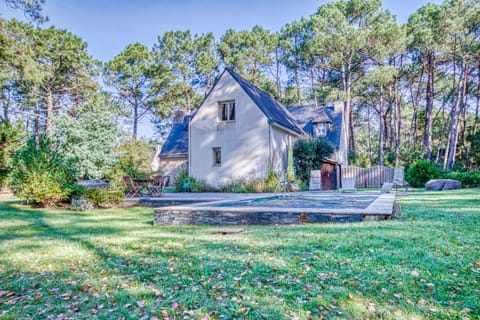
x=226 y=110
x=320 y=129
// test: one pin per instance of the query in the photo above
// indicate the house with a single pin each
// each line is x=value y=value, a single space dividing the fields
x=174 y=153
x=240 y=132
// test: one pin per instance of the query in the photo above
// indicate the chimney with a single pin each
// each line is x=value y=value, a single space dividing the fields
x=338 y=106
x=180 y=116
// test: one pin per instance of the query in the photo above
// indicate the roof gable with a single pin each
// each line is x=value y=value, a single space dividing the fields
x=176 y=144
x=307 y=116
x=273 y=110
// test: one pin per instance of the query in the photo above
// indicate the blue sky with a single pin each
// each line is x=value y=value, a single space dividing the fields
x=108 y=26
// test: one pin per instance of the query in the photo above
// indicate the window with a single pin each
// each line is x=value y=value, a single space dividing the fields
x=226 y=111
x=320 y=129
x=217 y=156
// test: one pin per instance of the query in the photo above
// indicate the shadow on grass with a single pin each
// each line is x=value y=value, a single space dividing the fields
x=326 y=270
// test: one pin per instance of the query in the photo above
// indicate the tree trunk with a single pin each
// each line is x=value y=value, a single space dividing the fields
x=312 y=85
x=297 y=83
x=397 y=123
x=369 y=136
x=49 y=114
x=5 y=105
x=453 y=132
x=135 y=120
x=430 y=94
x=381 y=133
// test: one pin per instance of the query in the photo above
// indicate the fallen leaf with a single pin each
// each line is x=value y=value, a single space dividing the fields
x=415 y=273
x=465 y=310
x=141 y=304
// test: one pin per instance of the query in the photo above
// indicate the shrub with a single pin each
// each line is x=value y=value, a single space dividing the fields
x=468 y=179
x=10 y=139
x=185 y=183
x=309 y=154
x=40 y=174
x=135 y=157
x=420 y=172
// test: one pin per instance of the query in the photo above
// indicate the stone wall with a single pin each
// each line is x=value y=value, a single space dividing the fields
x=172 y=167
x=202 y=216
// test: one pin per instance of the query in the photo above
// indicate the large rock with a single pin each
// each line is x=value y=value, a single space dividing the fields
x=443 y=184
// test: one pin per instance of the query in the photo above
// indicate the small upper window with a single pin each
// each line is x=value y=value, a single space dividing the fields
x=320 y=129
x=226 y=111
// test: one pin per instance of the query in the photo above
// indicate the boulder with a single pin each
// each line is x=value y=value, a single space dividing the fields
x=443 y=184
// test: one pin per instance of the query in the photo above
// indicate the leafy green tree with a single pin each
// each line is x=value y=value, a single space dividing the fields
x=192 y=64
x=294 y=38
x=341 y=32
x=89 y=136
x=55 y=72
x=308 y=155
x=31 y=8
x=135 y=157
x=11 y=137
x=40 y=174
x=248 y=53
x=138 y=80
x=427 y=29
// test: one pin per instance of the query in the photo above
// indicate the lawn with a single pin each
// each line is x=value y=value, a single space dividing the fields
x=114 y=264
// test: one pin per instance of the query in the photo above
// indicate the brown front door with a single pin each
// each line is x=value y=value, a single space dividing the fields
x=329 y=177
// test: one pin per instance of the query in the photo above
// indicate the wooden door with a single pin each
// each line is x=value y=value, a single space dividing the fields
x=329 y=176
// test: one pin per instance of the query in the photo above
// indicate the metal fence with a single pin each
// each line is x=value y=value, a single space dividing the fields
x=373 y=177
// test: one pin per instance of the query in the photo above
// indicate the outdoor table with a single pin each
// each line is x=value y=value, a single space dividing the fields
x=144 y=183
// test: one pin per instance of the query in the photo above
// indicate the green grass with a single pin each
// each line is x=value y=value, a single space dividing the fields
x=111 y=264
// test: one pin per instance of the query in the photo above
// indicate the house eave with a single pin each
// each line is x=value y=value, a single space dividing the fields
x=279 y=126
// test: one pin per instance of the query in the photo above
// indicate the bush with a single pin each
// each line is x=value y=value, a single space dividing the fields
x=420 y=172
x=468 y=179
x=185 y=183
x=309 y=154
x=41 y=175
x=10 y=139
x=135 y=158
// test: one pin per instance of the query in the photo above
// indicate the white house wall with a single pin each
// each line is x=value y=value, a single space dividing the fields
x=280 y=141
x=244 y=142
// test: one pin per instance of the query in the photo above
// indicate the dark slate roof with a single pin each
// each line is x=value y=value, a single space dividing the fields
x=176 y=144
x=274 y=110
x=306 y=116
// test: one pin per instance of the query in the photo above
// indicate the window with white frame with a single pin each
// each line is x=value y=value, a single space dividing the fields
x=217 y=156
x=320 y=129
x=226 y=110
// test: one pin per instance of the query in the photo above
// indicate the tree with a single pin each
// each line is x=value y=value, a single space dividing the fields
x=426 y=27
x=249 y=53
x=308 y=155
x=191 y=62
x=293 y=38
x=89 y=136
x=11 y=137
x=340 y=34
x=53 y=72
x=31 y=8
x=137 y=79
x=40 y=174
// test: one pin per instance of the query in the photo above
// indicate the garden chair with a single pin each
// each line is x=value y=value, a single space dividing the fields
x=159 y=183
x=348 y=184
x=398 y=176
x=133 y=190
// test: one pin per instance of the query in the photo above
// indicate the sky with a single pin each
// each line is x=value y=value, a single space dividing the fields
x=109 y=26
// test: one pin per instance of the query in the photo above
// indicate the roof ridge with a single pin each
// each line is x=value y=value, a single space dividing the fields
x=247 y=86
